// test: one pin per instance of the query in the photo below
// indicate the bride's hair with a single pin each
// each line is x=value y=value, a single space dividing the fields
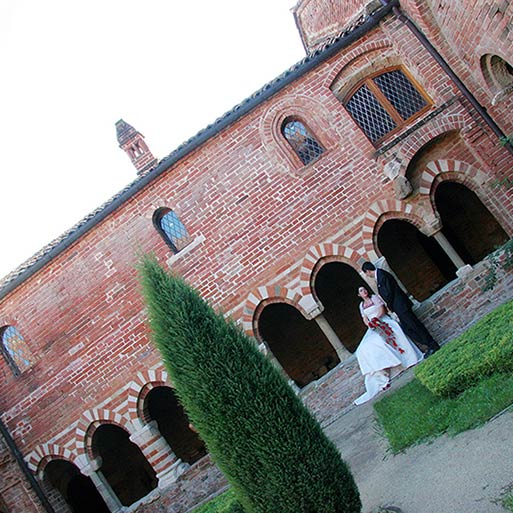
x=366 y=287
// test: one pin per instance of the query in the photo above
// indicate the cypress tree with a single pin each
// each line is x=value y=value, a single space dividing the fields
x=272 y=451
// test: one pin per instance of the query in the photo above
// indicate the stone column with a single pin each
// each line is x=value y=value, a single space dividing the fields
x=159 y=455
x=342 y=352
x=461 y=267
x=92 y=470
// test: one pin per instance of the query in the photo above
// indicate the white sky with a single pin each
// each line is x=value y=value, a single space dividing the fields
x=70 y=69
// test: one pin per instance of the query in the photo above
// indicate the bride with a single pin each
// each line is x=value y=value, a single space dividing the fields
x=383 y=347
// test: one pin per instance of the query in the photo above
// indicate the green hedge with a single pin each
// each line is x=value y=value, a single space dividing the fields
x=485 y=348
x=224 y=503
x=272 y=451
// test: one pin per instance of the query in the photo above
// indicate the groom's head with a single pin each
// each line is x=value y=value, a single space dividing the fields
x=368 y=269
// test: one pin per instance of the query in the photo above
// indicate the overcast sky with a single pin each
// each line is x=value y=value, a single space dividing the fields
x=71 y=69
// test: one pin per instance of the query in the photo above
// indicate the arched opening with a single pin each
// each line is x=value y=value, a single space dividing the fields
x=468 y=225
x=124 y=466
x=336 y=285
x=299 y=345
x=497 y=73
x=77 y=490
x=436 y=149
x=419 y=261
x=163 y=406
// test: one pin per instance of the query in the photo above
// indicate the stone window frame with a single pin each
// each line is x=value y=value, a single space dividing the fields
x=368 y=80
x=175 y=245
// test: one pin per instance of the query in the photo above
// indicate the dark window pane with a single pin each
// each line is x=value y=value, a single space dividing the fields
x=174 y=230
x=401 y=93
x=303 y=143
x=372 y=118
x=16 y=348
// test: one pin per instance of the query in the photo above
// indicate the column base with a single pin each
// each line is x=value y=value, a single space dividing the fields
x=464 y=271
x=171 y=474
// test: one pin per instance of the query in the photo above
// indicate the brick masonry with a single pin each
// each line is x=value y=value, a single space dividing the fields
x=261 y=225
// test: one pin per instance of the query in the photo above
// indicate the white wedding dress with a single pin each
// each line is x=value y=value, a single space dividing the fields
x=375 y=356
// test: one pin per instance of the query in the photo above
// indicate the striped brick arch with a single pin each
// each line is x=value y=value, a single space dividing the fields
x=382 y=211
x=139 y=389
x=466 y=174
x=43 y=454
x=91 y=420
x=335 y=252
x=265 y=295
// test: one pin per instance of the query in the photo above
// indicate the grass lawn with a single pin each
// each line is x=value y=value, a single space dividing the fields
x=413 y=414
x=508 y=502
x=224 y=503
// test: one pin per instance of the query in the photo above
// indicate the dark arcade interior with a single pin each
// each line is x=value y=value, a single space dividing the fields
x=336 y=286
x=123 y=464
x=468 y=225
x=298 y=344
x=162 y=405
x=418 y=261
x=77 y=490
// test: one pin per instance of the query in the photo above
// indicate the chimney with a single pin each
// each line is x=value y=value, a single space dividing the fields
x=132 y=143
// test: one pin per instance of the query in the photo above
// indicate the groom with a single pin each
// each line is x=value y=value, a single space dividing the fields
x=400 y=303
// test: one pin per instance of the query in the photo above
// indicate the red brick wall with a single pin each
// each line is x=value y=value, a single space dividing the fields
x=463 y=32
x=255 y=214
x=15 y=492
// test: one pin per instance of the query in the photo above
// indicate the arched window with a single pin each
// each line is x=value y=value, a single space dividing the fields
x=385 y=102
x=15 y=350
x=302 y=141
x=171 y=229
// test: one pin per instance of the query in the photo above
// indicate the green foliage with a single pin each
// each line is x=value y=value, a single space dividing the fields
x=501 y=258
x=505 y=182
x=271 y=450
x=508 y=502
x=413 y=414
x=224 y=503
x=485 y=348
x=506 y=139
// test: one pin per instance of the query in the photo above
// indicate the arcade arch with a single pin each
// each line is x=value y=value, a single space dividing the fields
x=162 y=405
x=69 y=491
x=299 y=345
x=419 y=261
x=335 y=284
x=466 y=222
x=123 y=464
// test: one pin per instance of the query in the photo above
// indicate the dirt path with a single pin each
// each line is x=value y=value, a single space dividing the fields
x=468 y=473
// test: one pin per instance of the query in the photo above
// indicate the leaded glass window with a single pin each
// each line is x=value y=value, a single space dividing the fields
x=15 y=350
x=172 y=229
x=385 y=102
x=302 y=141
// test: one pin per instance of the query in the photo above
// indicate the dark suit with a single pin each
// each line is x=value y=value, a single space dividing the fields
x=400 y=303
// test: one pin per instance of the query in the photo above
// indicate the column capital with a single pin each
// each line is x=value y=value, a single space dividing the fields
x=311 y=306
x=148 y=432
x=89 y=467
x=432 y=226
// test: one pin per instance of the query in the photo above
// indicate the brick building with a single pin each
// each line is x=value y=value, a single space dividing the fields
x=374 y=147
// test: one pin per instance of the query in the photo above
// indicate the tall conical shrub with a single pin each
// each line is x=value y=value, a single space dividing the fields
x=269 y=447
